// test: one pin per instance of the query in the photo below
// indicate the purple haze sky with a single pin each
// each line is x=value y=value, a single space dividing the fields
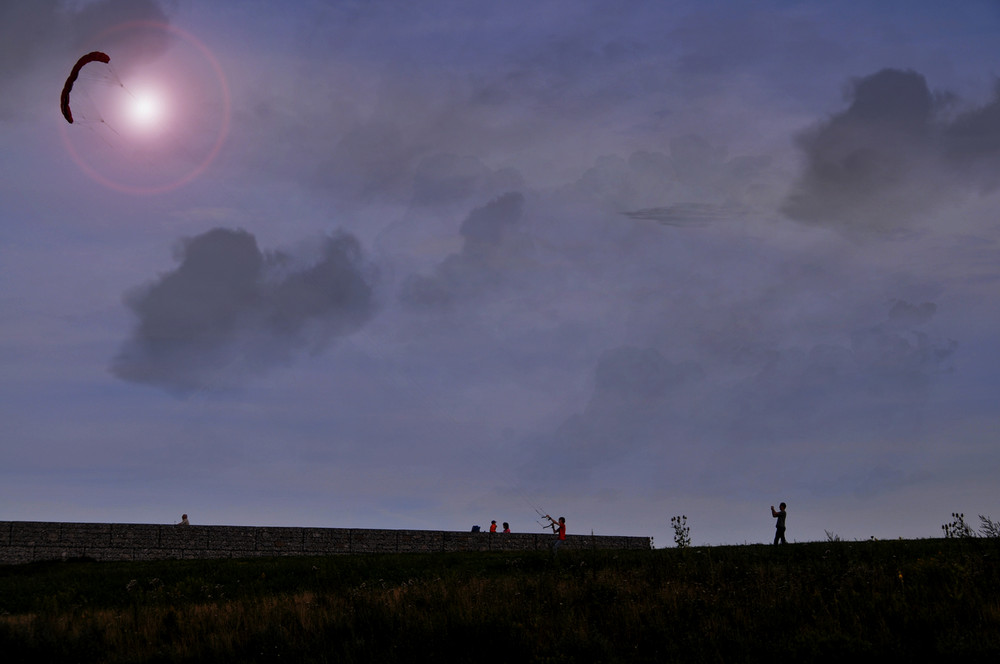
x=424 y=265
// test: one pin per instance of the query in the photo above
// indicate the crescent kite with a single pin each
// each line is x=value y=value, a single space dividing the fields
x=93 y=56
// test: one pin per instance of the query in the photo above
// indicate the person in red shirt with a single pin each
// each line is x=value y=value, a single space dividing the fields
x=506 y=527
x=559 y=528
x=493 y=526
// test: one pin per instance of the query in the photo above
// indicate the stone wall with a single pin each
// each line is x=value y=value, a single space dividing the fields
x=28 y=541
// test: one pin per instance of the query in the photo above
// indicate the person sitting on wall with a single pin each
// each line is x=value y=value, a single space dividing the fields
x=184 y=520
x=506 y=527
x=493 y=526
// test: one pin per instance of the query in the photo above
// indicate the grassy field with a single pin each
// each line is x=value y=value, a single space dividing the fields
x=898 y=600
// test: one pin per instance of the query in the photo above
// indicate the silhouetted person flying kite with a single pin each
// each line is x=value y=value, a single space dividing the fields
x=779 y=525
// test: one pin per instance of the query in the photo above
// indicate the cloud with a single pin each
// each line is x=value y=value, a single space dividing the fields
x=896 y=152
x=709 y=184
x=872 y=386
x=443 y=178
x=685 y=214
x=973 y=142
x=488 y=241
x=904 y=314
x=229 y=311
x=379 y=162
x=638 y=395
x=876 y=381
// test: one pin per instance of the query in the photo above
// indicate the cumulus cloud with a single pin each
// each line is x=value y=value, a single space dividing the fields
x=488 y=241
x=229 y=310
x=898 y=150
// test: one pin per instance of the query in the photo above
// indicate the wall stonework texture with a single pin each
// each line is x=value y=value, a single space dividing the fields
x=30 y=541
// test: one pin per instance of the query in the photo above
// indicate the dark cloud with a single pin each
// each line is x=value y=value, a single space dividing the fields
x=488 y=240
x=897 y=151
x=27 y=30
x=229 y=310
x=128 y=30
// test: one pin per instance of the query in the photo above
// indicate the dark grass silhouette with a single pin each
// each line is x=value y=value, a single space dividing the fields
x=812 y=602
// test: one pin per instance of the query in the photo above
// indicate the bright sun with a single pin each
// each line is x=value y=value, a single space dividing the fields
x=147 y=110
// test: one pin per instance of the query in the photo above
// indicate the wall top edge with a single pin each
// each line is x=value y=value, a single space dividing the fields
x=267 y=527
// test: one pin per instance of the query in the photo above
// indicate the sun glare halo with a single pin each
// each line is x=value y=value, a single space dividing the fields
x=147 y=109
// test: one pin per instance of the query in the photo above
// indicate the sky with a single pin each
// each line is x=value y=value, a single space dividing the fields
x=424 y=265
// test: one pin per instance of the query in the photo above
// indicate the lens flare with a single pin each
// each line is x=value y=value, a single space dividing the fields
x=158 y=124
x=147 y=110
